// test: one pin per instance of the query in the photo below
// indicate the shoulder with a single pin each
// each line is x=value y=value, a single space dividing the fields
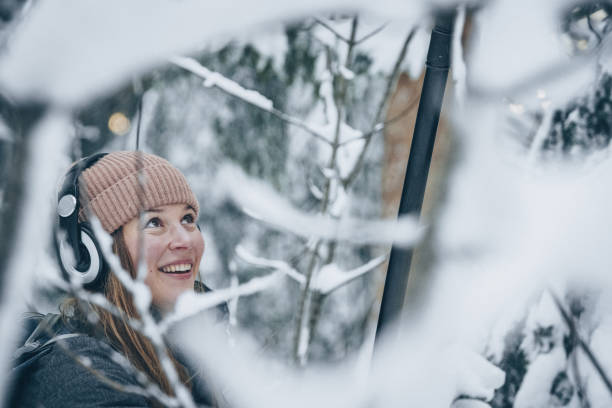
x=77 y=370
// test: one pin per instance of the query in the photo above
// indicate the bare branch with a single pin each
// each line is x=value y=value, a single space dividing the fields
x=371 y=34
x=348 y=40
x=333 y=31
x=592 y=29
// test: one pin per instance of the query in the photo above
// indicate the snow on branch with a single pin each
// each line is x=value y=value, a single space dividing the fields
x=331 y=277
x=263 y=203
x=582 y=343
x=280 y=266
x=214 y=79
x=191 y=303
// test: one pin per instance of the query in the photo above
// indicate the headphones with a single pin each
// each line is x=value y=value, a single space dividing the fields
x=77 y=249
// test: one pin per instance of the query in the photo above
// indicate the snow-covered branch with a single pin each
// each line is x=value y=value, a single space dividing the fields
x=330 y=277
x=214 y=79
x=281 y=266
x=189 y=304
x=583 y=344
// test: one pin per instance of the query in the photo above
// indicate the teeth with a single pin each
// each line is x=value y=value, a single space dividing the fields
x=176 y=268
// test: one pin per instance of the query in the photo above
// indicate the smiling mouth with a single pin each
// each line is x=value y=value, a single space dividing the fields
x=177 y=269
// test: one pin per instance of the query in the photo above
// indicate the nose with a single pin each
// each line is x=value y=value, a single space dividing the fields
x=179 y=237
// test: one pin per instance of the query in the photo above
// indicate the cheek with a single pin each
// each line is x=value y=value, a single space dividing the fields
x=199 y=244
x=153 y=250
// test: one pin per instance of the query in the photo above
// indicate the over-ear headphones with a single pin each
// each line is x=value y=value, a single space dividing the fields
x=77 y=249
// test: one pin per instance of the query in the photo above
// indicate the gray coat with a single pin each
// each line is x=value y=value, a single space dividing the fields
x=46 y=374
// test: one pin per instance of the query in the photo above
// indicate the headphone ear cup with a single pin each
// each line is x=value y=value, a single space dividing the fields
x=89 y=273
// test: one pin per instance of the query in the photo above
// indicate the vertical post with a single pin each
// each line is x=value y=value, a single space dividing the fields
x=417 y=169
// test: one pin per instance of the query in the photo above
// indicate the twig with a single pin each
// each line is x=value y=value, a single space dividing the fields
x=379 y=127
x=333 y=31
x=585 y=347
x=382 y=107
x=348 y=40
x=371 y=34
x=200 y=302
x=592 y=29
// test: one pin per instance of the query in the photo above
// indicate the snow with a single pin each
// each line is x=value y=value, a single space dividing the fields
x=507 y=61
x=346 y=73
x=262 y=202
x=458 y=70
x=190 y=303
x=540 y=135
x=509 y=230
x=214 y=79
x=399 y=374
x=111 y=47
x=331 y=277
x=46 y=151
x=281 y=266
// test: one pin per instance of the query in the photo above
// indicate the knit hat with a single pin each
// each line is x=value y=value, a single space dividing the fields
x=112 y=192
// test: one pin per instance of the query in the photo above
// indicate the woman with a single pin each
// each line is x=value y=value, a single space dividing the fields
x=71 y=359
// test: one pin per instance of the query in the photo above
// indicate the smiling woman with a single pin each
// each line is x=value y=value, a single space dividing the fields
x=173 y=247
x=94 y=354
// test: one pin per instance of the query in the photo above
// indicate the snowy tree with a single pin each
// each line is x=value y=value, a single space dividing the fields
x=287 y=142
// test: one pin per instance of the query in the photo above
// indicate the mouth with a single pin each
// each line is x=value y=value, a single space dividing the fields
x=178 y=270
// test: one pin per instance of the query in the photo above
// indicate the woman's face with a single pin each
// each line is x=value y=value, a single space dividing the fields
x=173 y=247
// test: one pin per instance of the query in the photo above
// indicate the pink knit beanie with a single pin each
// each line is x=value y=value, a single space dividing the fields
x=110 y=188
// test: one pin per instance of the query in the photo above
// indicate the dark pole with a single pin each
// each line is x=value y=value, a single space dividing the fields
x=417 y=169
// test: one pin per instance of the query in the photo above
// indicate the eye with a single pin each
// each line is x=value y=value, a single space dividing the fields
x=188 y=219
x=153 y=223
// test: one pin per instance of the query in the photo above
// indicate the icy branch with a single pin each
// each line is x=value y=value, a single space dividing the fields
x=280 y=266
x=189 y=304
x=214 y=79
x=331 y=278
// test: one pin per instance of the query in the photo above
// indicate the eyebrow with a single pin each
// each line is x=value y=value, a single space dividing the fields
x=187 y=207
